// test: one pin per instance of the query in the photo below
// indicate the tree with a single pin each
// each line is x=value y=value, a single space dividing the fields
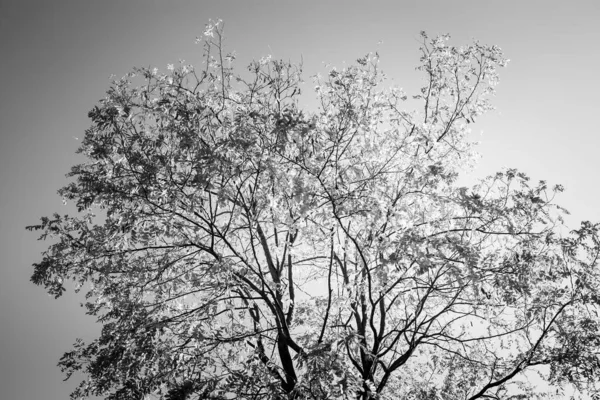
x=242 y=248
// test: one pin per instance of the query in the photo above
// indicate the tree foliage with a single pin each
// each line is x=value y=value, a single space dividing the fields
x=245 y=249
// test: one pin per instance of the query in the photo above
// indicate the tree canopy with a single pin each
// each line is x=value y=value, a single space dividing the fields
x=234 y=246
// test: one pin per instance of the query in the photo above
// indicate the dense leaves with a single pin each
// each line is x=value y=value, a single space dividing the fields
x=242 y=248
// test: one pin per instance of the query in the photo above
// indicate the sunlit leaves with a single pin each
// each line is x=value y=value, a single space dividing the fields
x=243 y=248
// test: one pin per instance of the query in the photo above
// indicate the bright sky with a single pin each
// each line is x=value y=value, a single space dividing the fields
x=57 y=56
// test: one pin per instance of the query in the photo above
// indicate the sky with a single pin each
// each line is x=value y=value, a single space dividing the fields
x=56 y=58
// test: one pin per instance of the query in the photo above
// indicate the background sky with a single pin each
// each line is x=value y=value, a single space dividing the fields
x=56 y=58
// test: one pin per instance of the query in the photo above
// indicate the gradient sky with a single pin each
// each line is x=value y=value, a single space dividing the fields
x=57 y=56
